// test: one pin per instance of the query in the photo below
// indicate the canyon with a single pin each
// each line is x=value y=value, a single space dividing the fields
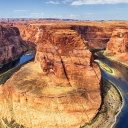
x=62 y=74
x=61 y=87
x=11 y=44
x=95 y=36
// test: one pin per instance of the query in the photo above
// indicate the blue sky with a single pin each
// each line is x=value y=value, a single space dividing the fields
x=65 y=9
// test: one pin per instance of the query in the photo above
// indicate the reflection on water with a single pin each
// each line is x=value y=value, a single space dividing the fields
x=112 y=71
x=7 y=71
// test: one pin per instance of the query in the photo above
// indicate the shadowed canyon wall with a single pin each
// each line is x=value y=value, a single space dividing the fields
x=11 y=44
x=96 y=37
x=28 y=33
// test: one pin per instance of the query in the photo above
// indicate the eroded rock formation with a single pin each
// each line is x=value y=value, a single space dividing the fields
x=28 y=33
x=118 y=43
x=96 y=37
x=61 y=89
x=11 y=44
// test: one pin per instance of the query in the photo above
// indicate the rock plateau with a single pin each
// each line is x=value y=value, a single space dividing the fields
x=60 y=89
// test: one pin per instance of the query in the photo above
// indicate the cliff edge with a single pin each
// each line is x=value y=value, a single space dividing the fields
x=117 y=47
x=60 y=89
x=11 y=44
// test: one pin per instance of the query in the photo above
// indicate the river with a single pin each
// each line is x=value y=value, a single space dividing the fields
x=118 y=75
x=23 y=59
x=8 y=69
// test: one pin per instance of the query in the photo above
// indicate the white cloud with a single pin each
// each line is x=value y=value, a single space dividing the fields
x=53 y=2
x=36 y=15
x=42 y=14
x=72 y=16
x=82 y=2
x=67 y=1
x=88 y=13
x=56 y=16
x=20 y=10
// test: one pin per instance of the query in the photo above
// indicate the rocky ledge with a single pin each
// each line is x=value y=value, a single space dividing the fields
x=117 y=47
x=61 y=89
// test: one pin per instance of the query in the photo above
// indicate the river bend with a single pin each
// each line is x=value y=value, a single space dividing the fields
x=118 y=75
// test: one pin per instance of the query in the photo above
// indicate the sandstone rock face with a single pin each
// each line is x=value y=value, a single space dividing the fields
x=61 y=52
x=28 y=32
x=11 y=44
x=60 y=89
x=118 y=43
x=96 y=37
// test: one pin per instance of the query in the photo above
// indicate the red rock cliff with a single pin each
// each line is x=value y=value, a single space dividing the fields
x=11 y=44
x=118 y=43
x=60 y=90
x=96 y=36
x=28 y=33
x=62 y=53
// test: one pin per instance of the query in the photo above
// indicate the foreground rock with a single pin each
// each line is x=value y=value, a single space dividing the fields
x=11 y=44
x=60 y=89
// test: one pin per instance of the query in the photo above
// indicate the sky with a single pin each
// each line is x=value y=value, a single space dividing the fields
x=65 y=9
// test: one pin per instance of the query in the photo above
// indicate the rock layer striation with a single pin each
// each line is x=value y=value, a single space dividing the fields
x=61 y=89
x=118 y=43
x=95 y=35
